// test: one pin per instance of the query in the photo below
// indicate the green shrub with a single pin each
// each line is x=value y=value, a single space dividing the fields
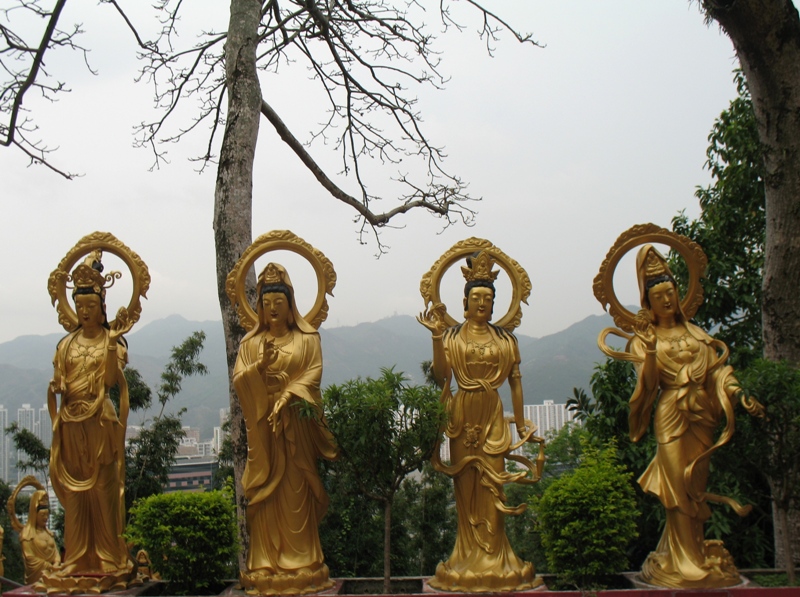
x=190 y=537
x=587 y=519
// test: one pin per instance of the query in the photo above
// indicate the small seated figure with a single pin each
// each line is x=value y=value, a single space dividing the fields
x=39 y=549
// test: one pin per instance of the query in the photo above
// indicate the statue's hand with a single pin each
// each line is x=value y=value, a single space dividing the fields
x=433 y=318
x=752 y=406
x=275 y=418
x=644 y=329
x=121 y=325
x=268 y=355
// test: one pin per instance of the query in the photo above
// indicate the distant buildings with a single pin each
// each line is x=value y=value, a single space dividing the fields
x=548 y=416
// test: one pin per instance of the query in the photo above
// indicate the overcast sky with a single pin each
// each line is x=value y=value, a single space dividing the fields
x=568 y=145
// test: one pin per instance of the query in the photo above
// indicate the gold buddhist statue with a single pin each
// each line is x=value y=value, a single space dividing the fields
x=686 y=387
x=480 y=357
x=39 y=550
x=87 y=457
x=279 y=366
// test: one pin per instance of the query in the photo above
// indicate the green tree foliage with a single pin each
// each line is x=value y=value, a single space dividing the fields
x=774 y=441
x=731 y=230
x=191 y=539
x=14 y=568
x=224 y=471
x=34 y=455
x=605 y=418
x=385 y=429
x=587 y=518
x=150 y=455
x=428 y=514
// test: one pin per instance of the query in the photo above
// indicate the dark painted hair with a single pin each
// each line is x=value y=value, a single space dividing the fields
x=279 y=287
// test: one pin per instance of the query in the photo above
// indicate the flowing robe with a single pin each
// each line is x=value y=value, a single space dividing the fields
x=692 y=396
x=87 y=457
x=480 y=439
x=286 y=499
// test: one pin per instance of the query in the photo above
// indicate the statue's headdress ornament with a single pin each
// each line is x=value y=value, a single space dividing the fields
x=273 y=274
x=479 y=268
x=88 y=276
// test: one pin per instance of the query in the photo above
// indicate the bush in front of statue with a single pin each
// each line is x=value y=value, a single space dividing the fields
x=587 y=519
x=190 y=538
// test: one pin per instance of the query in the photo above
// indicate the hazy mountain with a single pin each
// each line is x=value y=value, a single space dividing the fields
x=551 y=366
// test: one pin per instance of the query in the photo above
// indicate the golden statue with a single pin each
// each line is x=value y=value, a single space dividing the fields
x=87 y=457
x=39 y=550
x=278 y=367
x=686 y=386
x=480 y=357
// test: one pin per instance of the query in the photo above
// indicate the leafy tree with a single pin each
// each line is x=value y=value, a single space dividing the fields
x=14 y=567
x=766 y=37
x=224 y=469
x=36 y=456
x=587 y=518
x=429 y=516
x=385 y=429
x=775 y=439
x=731 y=231
x=150 y=455
x=190 y=537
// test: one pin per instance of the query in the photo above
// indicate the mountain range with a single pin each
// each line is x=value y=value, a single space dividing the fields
x=551 y=366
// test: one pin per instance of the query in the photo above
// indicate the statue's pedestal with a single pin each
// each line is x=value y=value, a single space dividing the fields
x=134 y=591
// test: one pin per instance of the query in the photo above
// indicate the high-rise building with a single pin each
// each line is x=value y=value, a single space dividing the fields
x=26 y=419
x=45 y=426
x=5 y=444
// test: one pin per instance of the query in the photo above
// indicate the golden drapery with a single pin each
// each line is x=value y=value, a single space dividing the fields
x=87 y=457
x=689 y=401
x=482 y=559
x=286 y=499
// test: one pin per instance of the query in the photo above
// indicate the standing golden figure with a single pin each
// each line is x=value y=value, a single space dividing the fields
x=87 y=457
x=279 y=366
x=685 y=385
x=480 y=357
x=39 y=550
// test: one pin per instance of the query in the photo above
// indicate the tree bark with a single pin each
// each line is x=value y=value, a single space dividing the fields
x=387 y=547
x=766 y=36
x=233 y=203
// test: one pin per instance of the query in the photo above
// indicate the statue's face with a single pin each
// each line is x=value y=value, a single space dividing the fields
x=276 y=308
x=663 y=299
x=89 y=308
x=42 y=514
x=479 y=304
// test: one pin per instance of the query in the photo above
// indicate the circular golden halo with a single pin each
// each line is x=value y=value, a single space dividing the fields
x=692 y=253
x=520 y=282
x=276 y=240
x=11 y=505
x=108 y=243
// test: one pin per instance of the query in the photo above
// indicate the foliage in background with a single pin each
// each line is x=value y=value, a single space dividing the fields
x=33 y=454
x=385 y=429
x=587 y=518
x=731 y=230
x=12 y=552
x=774 y=441
x=190 y=538
x=150 y=455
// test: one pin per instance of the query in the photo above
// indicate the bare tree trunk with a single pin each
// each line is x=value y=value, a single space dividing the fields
x=387 y=547
x=233 y=203
x=780 y=515
x=766 y=36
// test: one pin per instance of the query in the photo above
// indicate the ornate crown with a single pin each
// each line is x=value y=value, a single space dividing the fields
x=479 y=267
x=89 y=274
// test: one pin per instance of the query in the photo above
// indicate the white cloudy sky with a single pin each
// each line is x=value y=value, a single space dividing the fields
x=568 y=146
